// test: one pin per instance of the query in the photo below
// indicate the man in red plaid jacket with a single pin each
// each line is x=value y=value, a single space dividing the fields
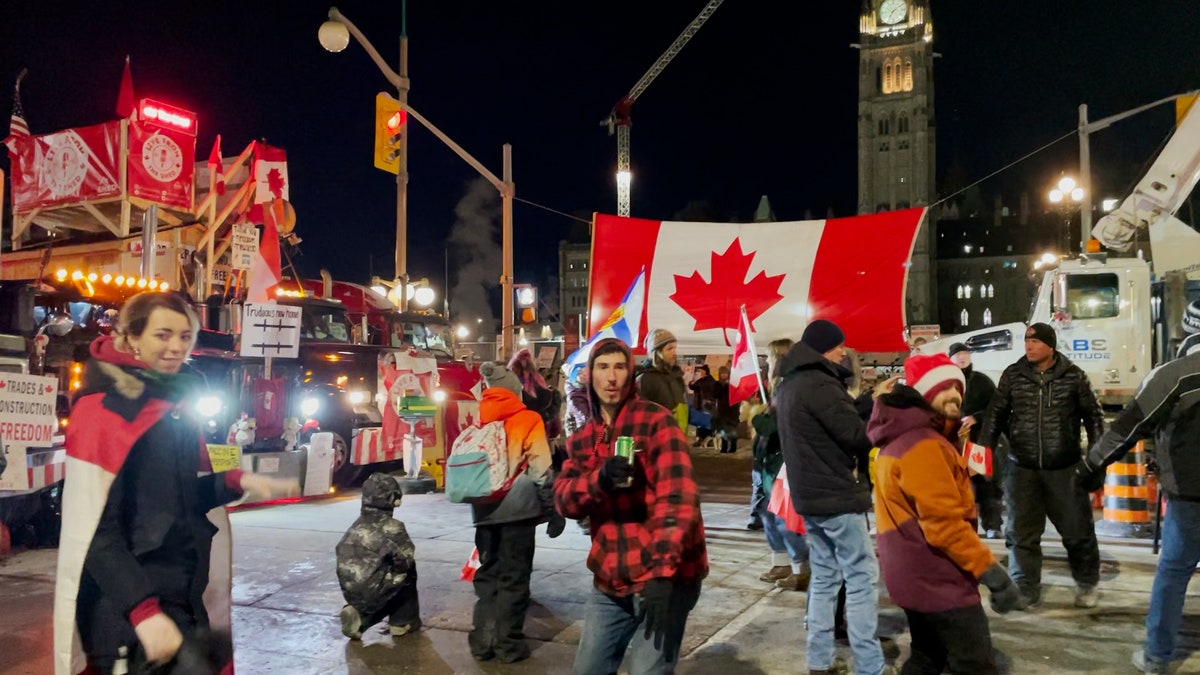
x=648 y=554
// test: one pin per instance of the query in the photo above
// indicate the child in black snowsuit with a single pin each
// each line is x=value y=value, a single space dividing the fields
x=376 y=566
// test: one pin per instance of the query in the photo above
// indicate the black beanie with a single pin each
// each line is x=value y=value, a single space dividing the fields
x=822 y=335
x=956 y=348
x=1043 y=332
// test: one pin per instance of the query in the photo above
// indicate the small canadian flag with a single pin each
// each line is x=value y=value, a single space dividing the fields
x=472 y=564
x=744 y=378
x=979 y=459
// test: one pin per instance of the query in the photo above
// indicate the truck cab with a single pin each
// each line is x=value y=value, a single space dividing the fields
x=1104 y=314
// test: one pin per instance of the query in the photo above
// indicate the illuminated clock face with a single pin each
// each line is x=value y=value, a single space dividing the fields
x=893 y=11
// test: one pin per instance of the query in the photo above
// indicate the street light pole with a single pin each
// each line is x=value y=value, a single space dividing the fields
x=336 y=43
x=506 y=272
x=1085 y=180
x=1063 y=195
x=402 y=85
x=506 y=187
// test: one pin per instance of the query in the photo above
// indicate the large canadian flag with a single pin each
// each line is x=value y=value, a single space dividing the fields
x=851 y=271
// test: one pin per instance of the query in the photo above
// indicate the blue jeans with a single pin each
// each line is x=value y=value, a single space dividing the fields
x=758 y=496
x=1176 y=564
x=781 y=539
x=840 y=548
x=610 y=625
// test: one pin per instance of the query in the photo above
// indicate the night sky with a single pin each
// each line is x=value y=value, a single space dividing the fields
x=762 y=101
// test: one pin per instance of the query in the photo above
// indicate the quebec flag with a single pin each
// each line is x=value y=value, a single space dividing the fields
x=625 y=324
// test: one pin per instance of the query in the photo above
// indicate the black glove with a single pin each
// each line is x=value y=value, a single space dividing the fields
x=615 y=472
x=556 y=524
x=1089 y=478
x=655 y=615
x=1005 y=594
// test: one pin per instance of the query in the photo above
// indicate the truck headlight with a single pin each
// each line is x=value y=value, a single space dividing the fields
x=358 y=397
x=439 y=396
x=309 y=406
x=208 y=406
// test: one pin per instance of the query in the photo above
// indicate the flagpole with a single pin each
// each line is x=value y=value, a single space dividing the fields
x=762 y=390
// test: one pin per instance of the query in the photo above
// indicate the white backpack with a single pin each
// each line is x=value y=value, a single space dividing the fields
x=477 y=469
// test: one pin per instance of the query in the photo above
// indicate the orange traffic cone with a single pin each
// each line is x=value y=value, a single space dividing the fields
x=1128 y=496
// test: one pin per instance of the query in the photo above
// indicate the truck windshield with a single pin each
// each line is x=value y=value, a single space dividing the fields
x=325 y=324
x=432 y=337
x=1093 y=296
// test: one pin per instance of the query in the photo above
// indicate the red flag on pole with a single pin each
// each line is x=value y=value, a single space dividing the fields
x=266 y=271
x=125 y=102
x=215 y=167
x=744 y=376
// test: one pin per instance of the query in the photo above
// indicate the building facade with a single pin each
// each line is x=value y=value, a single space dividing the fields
x=896 y=130
x=988 y=267
x=574 y=270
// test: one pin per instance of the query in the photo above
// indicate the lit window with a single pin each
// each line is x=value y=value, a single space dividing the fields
x=908 y=75
x=964 y=318
x=987 y=317
x=967 y=248
x=967 y=291
x=991 y=291
x=983 y=290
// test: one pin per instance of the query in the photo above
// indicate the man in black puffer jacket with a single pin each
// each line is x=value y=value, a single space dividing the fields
x=824 y=442
x=1040 y=403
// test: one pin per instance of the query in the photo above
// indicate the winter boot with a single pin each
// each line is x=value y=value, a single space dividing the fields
x=351 y=623
x=776 y=573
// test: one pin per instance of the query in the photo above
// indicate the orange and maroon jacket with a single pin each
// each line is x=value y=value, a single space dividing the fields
x=653 y=529
x=929 y=553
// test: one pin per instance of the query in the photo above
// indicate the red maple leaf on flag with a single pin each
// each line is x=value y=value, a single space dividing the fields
x=716 y=303
x=275 y=183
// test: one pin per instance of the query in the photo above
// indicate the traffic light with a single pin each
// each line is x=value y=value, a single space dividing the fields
x=389 y=129
x=526 y=297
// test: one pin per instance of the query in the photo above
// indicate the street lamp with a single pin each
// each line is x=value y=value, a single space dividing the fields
x=1067 y=195
x=504 y=186
x=334 y=35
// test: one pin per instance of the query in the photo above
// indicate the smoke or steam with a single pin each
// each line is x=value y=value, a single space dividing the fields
x=549 y=297
x=477 y=255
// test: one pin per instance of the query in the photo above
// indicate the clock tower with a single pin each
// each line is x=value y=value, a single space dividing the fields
x=896 y=131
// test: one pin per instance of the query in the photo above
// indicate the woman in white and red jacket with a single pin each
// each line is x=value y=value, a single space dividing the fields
x=134 y=558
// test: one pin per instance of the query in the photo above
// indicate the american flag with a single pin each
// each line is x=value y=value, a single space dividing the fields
x=18 y=130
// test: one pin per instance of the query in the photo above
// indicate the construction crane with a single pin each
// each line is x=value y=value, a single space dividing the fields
x=618 y=121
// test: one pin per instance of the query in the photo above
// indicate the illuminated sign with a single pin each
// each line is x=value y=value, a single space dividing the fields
x=168 y=116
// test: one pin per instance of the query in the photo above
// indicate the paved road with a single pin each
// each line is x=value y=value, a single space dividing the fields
x=286 y=599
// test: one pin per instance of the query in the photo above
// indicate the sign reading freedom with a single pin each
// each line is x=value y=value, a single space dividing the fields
x=27 y=418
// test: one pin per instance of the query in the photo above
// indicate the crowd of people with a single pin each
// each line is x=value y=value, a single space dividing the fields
x=140 y=506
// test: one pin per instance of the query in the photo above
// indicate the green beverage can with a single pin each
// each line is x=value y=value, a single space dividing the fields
x=624 y=447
